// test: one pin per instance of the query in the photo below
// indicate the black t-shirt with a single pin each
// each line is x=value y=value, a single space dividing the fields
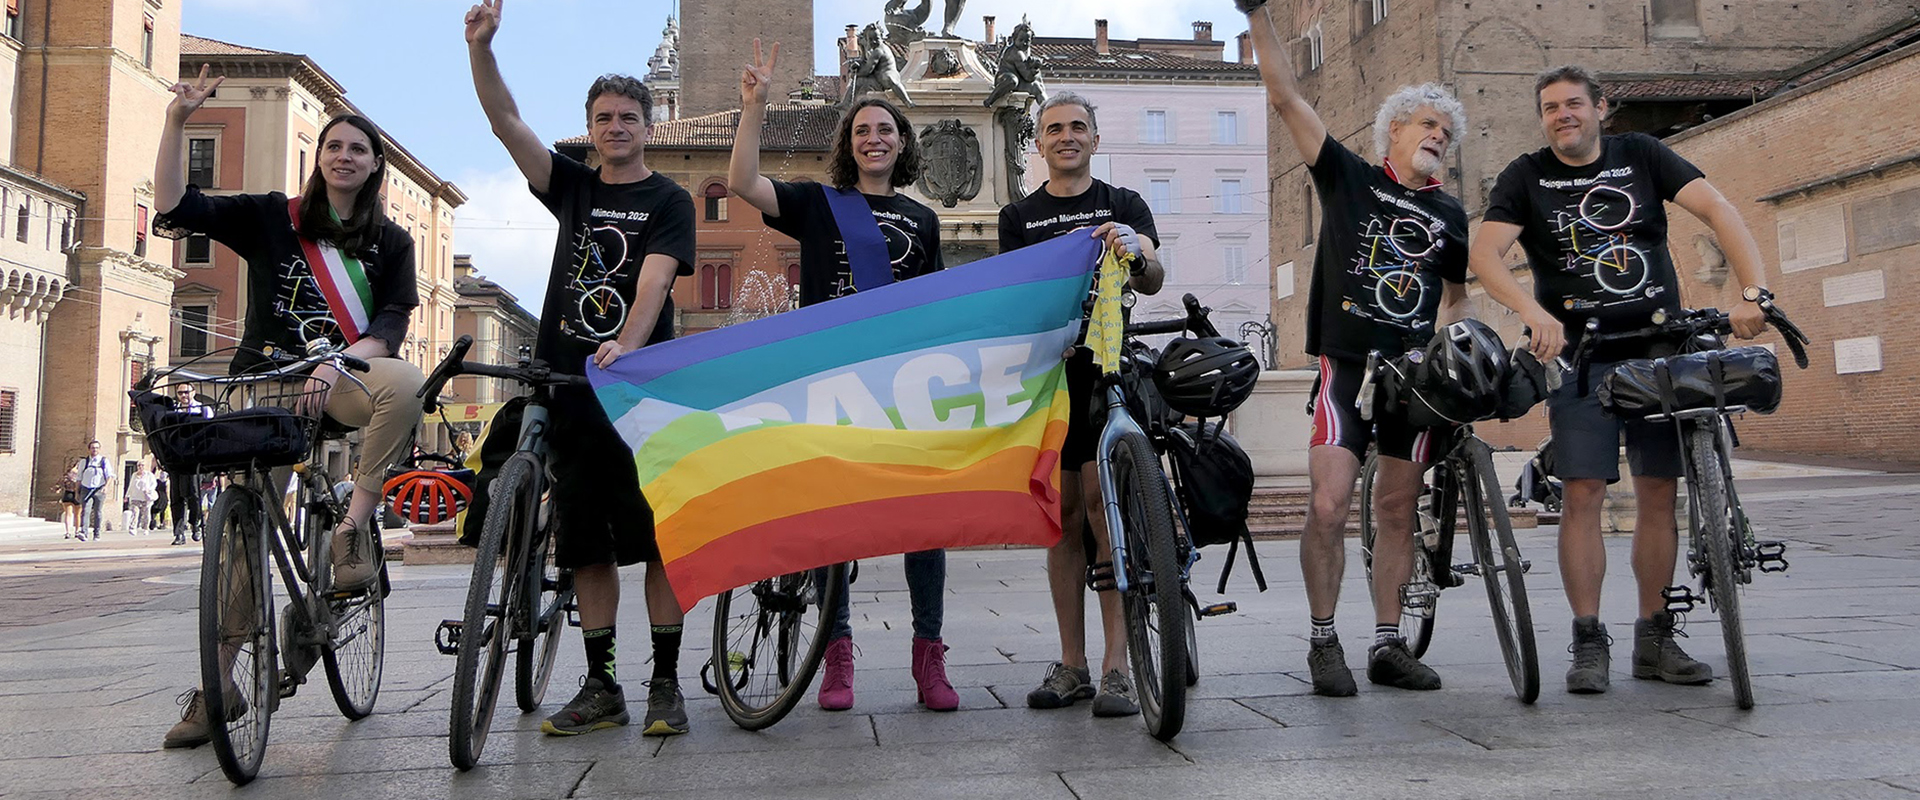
x=1596 y=236
x=1384 y=250
x=606 y=231
x=1041 y=216
x=912 y=232
x=285 y=307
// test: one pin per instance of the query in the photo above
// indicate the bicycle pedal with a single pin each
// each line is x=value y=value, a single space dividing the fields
x=1525 y=566
x=1771 y=556
x=1100 y=577
x=289 y=684
x=446 y=638
x=1218 y=609
x=1679 y=599
x=1460 y=571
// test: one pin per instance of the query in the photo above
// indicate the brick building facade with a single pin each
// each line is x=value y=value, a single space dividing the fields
x=716 y=37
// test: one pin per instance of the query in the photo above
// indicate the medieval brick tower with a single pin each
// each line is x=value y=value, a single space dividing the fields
x=716 y=37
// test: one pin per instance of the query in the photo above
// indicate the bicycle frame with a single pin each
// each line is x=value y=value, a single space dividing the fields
x=1119 y=423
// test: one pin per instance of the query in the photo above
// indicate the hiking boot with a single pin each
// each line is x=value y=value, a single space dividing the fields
x=836 y=682
x=355 y=563
x=666 y=709
x=192 y=730
x=1116 y=696
x=1657 y=656
x=594 y=708
x=930 y=675
x=1062 y=687
x=1592 y=657
x=1331 y=676
x=1390 y=663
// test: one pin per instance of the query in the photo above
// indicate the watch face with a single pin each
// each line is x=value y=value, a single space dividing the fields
x=1752 y=293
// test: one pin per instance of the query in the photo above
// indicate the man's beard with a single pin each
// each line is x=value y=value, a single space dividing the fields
x=1426 y=163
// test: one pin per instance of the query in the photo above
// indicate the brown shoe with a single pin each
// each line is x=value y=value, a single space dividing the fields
x=191 y=730
x=355 y=560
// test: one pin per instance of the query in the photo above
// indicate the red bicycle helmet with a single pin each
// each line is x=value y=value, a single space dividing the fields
x=428 y=496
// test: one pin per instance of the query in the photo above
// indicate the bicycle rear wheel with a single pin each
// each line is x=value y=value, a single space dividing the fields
x=238 y=659
x=484 y=629
x=1157 y=614
x=1420 y=596
x=1498 y=561
x=768 y=640
x=548 y=592
x=355 y=656
x=1713 y=521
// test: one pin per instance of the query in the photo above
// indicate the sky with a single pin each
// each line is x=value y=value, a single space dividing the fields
x=403 y=62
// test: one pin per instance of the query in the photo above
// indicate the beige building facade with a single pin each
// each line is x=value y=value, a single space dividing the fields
x=500 y=328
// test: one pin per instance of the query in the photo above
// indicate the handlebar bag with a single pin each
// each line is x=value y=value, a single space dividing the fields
x=190 y=442
x=1747 y=376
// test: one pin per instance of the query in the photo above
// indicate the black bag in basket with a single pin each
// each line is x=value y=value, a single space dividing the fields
x=1746 y=376
x=190 y=442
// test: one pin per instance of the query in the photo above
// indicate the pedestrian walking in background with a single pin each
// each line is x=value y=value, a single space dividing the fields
x=96 y=480
x=142 y=488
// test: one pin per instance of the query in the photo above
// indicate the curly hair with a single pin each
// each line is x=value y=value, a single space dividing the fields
x=1400 y=108
x=841 y=169
x=623 y=86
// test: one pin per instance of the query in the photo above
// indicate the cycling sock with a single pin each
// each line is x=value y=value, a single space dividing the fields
x=600 y=655
x=1322 y=630
x=1384 y=632
x=666 y=652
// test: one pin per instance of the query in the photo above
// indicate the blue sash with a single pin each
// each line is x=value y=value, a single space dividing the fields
x=867 y=255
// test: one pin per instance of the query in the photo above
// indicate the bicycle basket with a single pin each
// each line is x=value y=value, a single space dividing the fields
x=254 y=422
x=1746 y=376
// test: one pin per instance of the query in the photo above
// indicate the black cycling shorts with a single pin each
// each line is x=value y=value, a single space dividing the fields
x=602 y=517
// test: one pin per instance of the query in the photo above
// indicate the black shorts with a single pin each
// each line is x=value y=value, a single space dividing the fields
x=1586 y=439
x=1087 y=415
x=1336 y=418
x=601 y=515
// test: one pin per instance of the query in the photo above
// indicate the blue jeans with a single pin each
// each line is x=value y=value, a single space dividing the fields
x=926 y=585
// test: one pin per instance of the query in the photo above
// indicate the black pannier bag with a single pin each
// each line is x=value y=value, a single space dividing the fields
x=1215 y=482
x=1144 y=402
x=186 y=442
x=1745 y=376
x=501 y=440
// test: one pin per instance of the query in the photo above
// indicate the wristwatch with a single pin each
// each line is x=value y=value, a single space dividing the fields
x=1752 y=292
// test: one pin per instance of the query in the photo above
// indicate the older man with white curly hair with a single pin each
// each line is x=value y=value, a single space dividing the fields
x=1391 y=264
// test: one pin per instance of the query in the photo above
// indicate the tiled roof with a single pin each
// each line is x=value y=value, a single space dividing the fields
x=1692 y=88
x=1079 y=57
x=191 y=45
x=800 y=128
x=1854 y=56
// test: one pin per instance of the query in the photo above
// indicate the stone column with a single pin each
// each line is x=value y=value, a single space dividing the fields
x=1273 y=425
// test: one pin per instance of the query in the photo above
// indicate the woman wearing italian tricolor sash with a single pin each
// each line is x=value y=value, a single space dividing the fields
x=327 y=263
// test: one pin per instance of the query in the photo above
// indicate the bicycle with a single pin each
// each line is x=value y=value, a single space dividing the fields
x=1461 y=487
x=768 y=642
x=526 y=600
x=1722 y=549
x=267 y=427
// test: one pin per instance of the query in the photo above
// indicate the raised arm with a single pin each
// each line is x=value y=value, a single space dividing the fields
x=743 y=173
x=1487 y=260
x=169 y=171
x=1276 y=71
x=528 y=152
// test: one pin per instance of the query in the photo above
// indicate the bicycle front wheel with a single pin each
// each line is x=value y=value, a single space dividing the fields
x=1713 y=522
x=768 y=640
x=484 y=629
x=238 y=660
x=548 y=592
x=1499 y=564
x=1419 y=596
x=355 y=655
x=1156 y=610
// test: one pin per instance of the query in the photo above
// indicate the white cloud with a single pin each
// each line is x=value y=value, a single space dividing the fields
x=508 y=233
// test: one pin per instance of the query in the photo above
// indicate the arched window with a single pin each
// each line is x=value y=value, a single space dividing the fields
x=716 y=201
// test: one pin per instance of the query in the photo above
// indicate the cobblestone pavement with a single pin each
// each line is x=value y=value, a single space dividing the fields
x=94 y=650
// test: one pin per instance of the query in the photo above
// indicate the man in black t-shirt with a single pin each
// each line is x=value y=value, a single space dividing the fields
x=1390 y=266
x=1073 y=200
x=1588 y=210
x=625 y=232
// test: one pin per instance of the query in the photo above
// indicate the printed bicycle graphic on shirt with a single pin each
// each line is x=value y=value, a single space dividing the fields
x=1596 y=243
x=603 y=253
x=301 y=303
x=1392 y=255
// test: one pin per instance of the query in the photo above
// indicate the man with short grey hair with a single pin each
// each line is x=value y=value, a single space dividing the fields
x=1391 y=264
x=1073 y=202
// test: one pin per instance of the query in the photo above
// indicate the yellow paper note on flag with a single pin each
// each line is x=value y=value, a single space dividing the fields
x=1108 y=323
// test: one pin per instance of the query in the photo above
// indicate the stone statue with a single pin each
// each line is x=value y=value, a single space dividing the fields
x=903 y=24
x=874 y=70
x=1016 y=129
x=953 y=16
x=1019 y=68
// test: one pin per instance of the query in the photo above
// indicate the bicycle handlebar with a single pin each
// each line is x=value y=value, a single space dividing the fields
x=1688 y=325
x=530 y=373
x=1195 y=320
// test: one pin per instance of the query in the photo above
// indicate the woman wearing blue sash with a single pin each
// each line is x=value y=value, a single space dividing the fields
x=856 y=232
x=326 y=264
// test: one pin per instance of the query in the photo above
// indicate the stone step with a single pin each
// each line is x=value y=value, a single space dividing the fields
x=431 y=544
x=14 y=527
x=1281 y=513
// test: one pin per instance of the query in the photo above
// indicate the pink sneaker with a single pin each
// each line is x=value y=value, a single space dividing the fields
x=930 y=674
x=836 y=684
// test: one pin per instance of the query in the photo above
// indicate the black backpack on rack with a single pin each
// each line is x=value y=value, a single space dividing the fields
x=1214 y=477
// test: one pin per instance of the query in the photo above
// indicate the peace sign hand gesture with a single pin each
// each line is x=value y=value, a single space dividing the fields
x=187 y=98
x=757 y=79
x=483 y=21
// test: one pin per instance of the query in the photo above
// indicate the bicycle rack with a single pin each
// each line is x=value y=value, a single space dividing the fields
x=1770 y=556
x=1680 y=599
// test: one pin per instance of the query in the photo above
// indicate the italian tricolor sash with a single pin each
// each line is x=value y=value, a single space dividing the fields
x=341 y=278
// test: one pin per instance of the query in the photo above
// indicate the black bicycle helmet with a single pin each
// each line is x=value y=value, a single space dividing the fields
x=1207 y=377
x=1463 y=367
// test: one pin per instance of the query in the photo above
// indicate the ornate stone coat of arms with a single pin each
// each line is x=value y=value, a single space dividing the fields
x=950 y=157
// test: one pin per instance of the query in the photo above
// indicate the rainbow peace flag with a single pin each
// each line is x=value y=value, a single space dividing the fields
x=924 y=414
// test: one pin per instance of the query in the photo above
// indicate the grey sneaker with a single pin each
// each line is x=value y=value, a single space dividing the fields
x=192 y=730
x=355 y=560
x=1116 y=696
x=1657 y=656
x=1392 y=664
x=1592 y=657
x=666 y=709
x=1331 y=675
x=594 y=708
x=1062 y=687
